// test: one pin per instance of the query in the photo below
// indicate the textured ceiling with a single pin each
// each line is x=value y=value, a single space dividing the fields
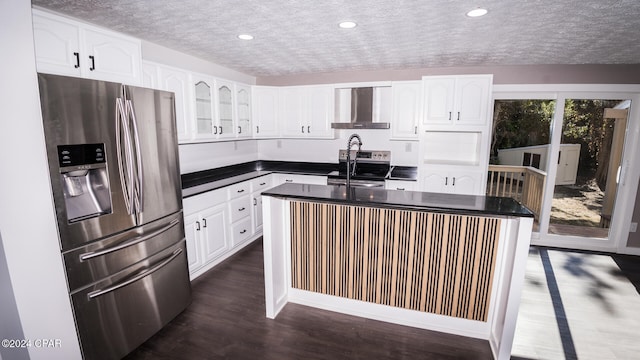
x=302 y=36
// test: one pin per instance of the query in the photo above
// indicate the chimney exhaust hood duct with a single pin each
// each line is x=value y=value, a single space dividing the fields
x=362 y=107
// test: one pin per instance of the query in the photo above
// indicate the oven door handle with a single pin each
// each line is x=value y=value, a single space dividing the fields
x=356 y=183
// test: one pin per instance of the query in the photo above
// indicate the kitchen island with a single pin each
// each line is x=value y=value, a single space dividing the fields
x=443 y=262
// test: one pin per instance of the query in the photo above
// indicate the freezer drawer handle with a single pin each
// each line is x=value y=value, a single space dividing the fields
x=135 y=240
x=145 y=273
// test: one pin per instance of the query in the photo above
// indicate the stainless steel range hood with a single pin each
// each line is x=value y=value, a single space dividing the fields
x=362 y=107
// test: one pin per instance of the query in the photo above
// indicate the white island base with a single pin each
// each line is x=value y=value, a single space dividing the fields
x=449 y=272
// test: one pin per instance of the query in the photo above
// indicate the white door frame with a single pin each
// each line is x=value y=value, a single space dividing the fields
x=630 y=173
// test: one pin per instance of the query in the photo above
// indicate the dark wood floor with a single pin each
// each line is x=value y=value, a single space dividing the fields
x=226 y=320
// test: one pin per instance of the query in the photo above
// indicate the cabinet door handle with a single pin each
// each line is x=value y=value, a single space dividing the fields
x=240 y=191
x=243 y=231
x=221 y=130
x=415 y=130
x=77 y=55
x=458 y=115
x=255 y=202
x=93 y=62
x=288 y=180
x=263 y=184
x=204 y=221
x=197 y=225
x=454 y=181
x=309 y=129
x=241 y=209
x=400 y=189
x=446 y=180
x=216 y=130
x=257 y=129
x=239 y=129
x=302 y=129
x=449 y=115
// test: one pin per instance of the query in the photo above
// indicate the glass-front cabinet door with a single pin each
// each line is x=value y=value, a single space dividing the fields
x=225 y=126
x=243 y=102
x=203 y=107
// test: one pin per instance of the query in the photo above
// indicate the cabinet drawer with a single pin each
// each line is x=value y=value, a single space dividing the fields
x=240 y=189
x=260 y=184
x=241 y=231
x=240 y=208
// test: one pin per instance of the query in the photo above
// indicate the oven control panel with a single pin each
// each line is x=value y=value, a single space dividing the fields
x=368 y=155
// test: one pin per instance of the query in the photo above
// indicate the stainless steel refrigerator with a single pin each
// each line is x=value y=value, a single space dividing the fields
x=113 y=160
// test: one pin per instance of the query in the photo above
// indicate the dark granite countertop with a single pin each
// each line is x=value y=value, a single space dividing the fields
x=414 y=200
x=202 y=181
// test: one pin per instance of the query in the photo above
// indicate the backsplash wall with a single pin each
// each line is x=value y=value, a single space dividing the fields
x=321 y=150
x=204 y=156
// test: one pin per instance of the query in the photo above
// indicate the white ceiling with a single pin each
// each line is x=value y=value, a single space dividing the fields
x=302 y=36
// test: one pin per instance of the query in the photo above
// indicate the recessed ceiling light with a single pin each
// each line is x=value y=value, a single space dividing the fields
x=347 y=24
x=245 y=37
x=477 y=12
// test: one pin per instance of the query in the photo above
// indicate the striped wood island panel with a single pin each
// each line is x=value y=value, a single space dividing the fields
x=430 y=262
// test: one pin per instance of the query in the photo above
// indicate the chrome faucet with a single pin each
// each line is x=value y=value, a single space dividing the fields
x=349 y=144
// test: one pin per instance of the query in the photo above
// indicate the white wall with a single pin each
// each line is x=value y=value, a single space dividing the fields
x=204 y=156
x=402 y=152
x=27 y=222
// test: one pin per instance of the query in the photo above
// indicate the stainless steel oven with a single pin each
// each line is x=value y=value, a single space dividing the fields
x=369 y=168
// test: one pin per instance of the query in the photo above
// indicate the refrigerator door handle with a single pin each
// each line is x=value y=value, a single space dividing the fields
x=139 y=188
x=124 y=162
x=133 y=241
x=145 y=273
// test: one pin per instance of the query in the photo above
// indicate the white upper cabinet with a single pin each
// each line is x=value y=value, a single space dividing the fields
x=150 y=76
x=265 y=111
x=457 y=100
x=225 y=119
x=179 y=82
x=203 y=106
x=67 y=47
x=321 y=110
x=406 y=109
x=292 y=111
x=243 y=111
x=306 y=111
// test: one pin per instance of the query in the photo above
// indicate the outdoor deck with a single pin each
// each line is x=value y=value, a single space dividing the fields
x=526 y=184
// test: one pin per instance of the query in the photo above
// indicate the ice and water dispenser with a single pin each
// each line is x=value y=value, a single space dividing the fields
x=85 y=181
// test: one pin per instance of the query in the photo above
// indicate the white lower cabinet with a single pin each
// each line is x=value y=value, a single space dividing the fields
x=241 y=231
x=220 y=222
x=207 y=236
x=455 y=182
x=192 y=226
x=258 y=185
x=256 y=214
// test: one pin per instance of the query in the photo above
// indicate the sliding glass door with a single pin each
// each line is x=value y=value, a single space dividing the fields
x=563 y=155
